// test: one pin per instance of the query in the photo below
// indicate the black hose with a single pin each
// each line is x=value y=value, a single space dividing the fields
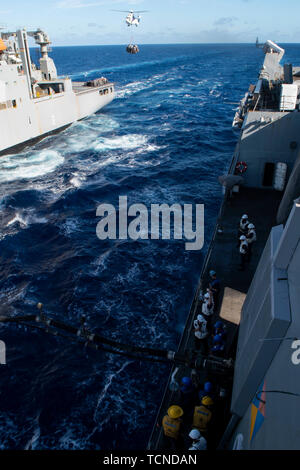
x=88 y=338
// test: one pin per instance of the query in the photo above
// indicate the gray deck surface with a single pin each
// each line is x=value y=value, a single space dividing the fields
x=78 y=87
x=261 y=206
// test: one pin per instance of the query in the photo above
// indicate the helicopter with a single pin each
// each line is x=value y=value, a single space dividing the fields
x=132 y=19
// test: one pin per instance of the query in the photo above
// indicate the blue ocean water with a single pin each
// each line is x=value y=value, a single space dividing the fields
x=165 y=139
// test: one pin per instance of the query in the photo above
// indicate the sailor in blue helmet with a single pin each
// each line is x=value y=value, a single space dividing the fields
x=187 y=394
x=219 y=329
x=207 y=391
x=219 y=324
x=186 y=384
x=218 y=345
x=214 y=286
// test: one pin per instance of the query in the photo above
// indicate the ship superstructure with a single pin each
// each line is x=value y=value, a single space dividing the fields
x=35 y=101
x=256 y=404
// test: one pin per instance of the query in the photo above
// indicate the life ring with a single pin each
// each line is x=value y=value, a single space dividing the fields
x=241 y=167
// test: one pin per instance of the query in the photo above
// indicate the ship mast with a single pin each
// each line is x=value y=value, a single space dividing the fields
x=47 y=65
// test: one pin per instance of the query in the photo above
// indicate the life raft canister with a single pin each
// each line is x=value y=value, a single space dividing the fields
x=241 y=167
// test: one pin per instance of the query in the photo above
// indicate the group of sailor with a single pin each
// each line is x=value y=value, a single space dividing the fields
x=247 y=237
x=196 y=406
x=208 y=336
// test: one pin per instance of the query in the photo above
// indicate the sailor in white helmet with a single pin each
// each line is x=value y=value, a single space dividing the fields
x=201 y=333
x=208 y=306
x=251 y=238
x=244 y=222
x=199 y=442
x=243 y=250
x=243 y=226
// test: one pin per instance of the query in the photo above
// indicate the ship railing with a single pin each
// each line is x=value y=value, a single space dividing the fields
x=168 y=394
x=234 y=159
x=189 y=323
x=185 y=337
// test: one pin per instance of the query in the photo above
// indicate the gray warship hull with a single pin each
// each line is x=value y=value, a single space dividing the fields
x=29 y=121
x=256 y=403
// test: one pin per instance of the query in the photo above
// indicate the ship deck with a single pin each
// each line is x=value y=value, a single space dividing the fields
x=223 y=257
x=79 y=87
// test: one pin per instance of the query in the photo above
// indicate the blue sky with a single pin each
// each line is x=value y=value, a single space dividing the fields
x=74 y=22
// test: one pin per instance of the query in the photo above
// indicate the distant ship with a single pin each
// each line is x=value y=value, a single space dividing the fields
x=258 y=44
x=35 y=101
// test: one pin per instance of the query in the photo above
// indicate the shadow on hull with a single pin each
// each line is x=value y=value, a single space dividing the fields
x=28 y=143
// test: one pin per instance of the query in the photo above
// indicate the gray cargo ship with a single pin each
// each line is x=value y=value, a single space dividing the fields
x=35 y=101
x=255 y=386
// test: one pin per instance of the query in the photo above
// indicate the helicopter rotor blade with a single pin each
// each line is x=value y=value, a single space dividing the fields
x=131 y=11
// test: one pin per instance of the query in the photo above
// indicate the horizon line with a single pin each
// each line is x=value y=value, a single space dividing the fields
x=172 y=44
